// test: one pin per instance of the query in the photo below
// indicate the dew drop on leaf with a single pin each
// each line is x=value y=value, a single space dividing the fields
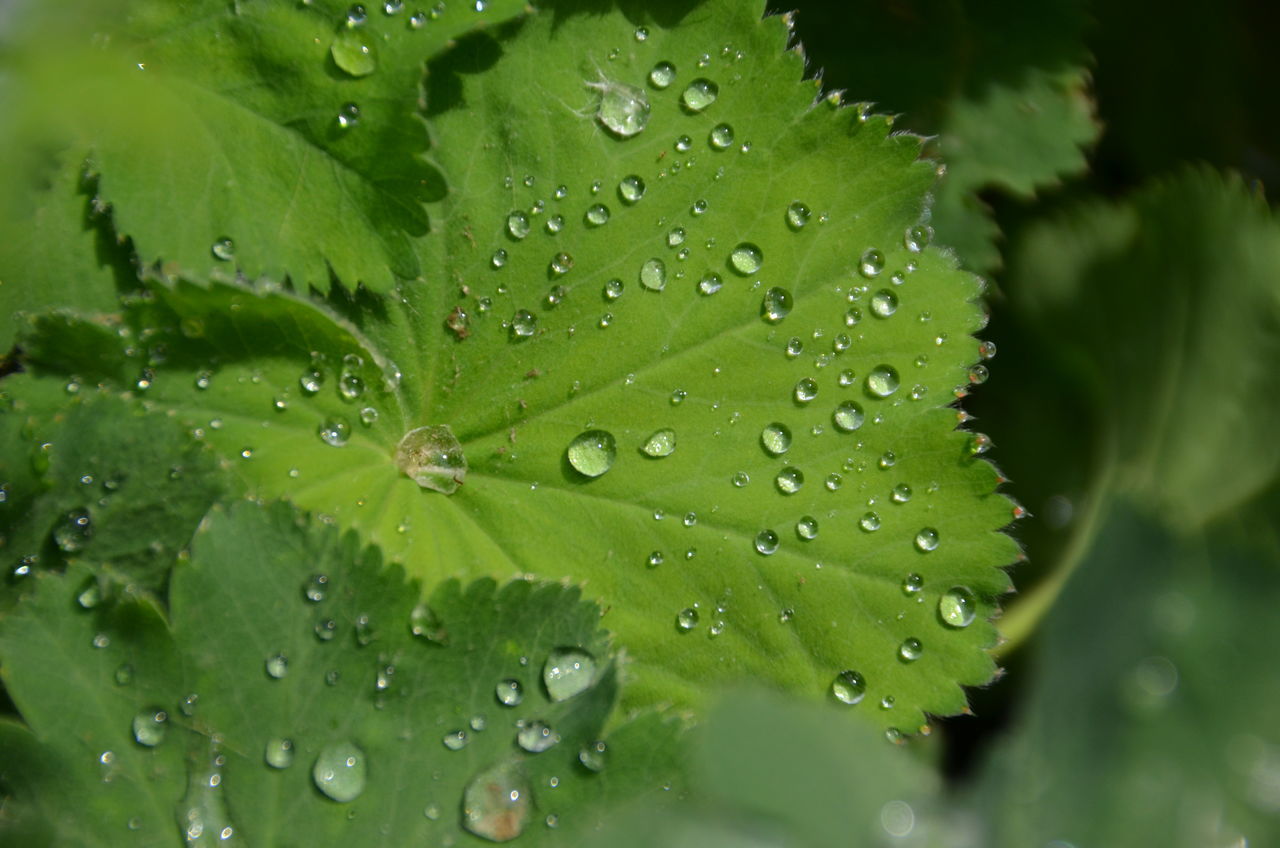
x=871 y=263
x=807 y=528
x=456 y=740
x=509 y=693
x=957 y=607
x=700 y=94
x=916 y=238
x=561 y=264
x=798 y=215
x=631 y=189
x=348 y=116
x=775 y=305
x=912 y=584
x=73 y=531
x=776 y=438
x=653 y=274
x=335 y=431
x=340 y=771
x=594 y=756
x=662 y=75
x=149 y=727
x=279 y=752
x=518 y=224
x=882 y=380
x=316 y=588
x=849 y=687
x=352 y=51
x=592 y=452
x=277 y=666
x=766 y=542
x=746 y=259
x=927 y=539
x=884 y=303
x=425 y=624
x=870 y=522
x=789 y=480
x=432 y=457
x=848 y=415
x=661 y=443
x=536 y=737
x=686 y=619
x=721 y=137
x=567 y=672
x=806 y=390
x=910 y=649
x=597 y=215
x=224 y=249
x=495 y=804
x=623 y=109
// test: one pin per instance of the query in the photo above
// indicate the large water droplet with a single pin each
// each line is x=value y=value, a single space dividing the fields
x=495 y=804
x=653 y=275
x=660 y=444
x=882 y=380
x=594 y=756
x=776 y=438
x=910 y=649
x=623 y=109
x=957 y=607
x=789 y=480
x=849 y=687
x=700 y=94
x=592 y=452
x=279 y=752
x=432 y=457
x=536 y=737
x=352 y=51
x=766 y=542
x=567 y=672
x=340 y=771
x=927 y=539
x=149 y=727
x=662 y=75
x=848 y=416
x=746 y=259
x=631 y=189
x=509 y=693
x=775 y=305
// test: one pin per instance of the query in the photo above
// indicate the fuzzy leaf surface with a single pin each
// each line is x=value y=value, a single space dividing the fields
x=240 y=603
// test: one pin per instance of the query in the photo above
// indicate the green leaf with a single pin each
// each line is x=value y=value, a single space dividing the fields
x=228 y=136
x=1184 y=273
x=1150 y=715
x=90 y=476
x=1003 y=85
x=259 y=649
x=796 y=618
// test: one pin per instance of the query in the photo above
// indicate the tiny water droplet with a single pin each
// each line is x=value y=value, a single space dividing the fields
x=882 y=380
x=987 y=350
x=888 y=459
x=901 y=493
x=710 y=283
x=678 y=396
x=746 y=259
x=766 y=542
x=676 y=237
x=910 y=649
x=561 y=264
x=592 y=452
x=927 y=539
x=700 y=94
x=340 y=771
x=740 y=479
x=353 y=51
x=789 y=480
x=978 y=374
x=957 y=607
x=653 y=275
x=348 y=116
x=833 y=482
x=368 y=416
x=849 y=687
x=794 y=348
x=568 y=672
x=316 y=588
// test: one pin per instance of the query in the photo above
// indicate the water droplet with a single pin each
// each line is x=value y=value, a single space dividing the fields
x=662 y=75
x=495 y=804
x=631 y=189
x=766 y=542
x=721 y=137
x=676 y=237
x=916 y=238
x=335 y=432
x=592 y=452
x=987 y=350
x=887 y=702
x=73 y=532
x=623 y=109
x=700 y=94
x=848 y=415
x=279 y=752
x=888 y=459
x=536 y=737
x=352 y=51
x=432 y=457
x=901 y=493
x=806 y=390
x=912 y=584
x=224 y=249
x=882 y=380
x=597 y=215
x=348 y=116
x=653 y=275
x=833 y=482
x=852 y=317
x=687 y=619
x=849 y=687
x=807 y=528
x=775 y=305
x=870 y=522
x=509 y=693
x=746 y=259
x=678 y=396
x=794 y=348
x=368 y=416
x=655 y=559
x=957 y=607
x=594 y=756
x=710 y=283
x=910 y=649
x=316 y=588
x=660 y=444
x=518 y=224
x=740 y=479
x=277 y=666
x=554 y=224
x=350 y=386
x=561 y=264
x=326 y=629
x=798 y=215
x=927 y=539
x=149 y=727
x=789 y=480
x=568 y=671
x=884 y=303
x=340 y=771
x=642 y=34
x=456 y=740
x=871 y=263
x=978 y=374
x=311 y=381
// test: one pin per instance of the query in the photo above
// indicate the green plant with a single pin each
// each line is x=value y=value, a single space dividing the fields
x=608 y=321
